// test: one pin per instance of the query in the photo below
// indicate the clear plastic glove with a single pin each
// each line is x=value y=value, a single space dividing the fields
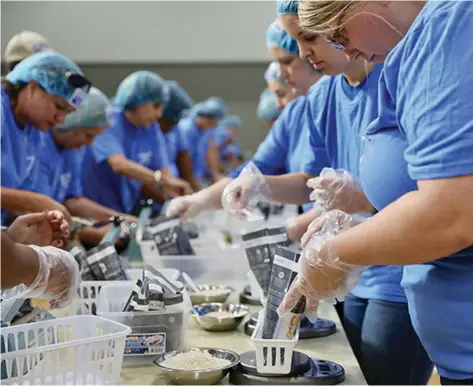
x=338 y=189
x=57 y=280
x=242 y=195
x=190 y=206
x=322 y=276
x=46 y=228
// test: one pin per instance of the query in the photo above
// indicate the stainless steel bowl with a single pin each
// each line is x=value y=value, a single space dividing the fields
x=198 y=377
x=202 y=297
x=214 y=323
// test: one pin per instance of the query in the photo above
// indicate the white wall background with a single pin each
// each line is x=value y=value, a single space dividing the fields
x=146 y=32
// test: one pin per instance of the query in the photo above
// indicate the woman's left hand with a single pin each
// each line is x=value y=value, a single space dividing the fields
x=322 y=276
x=42 y=229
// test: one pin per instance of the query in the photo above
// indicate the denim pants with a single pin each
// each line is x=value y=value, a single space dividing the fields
x=385 y=343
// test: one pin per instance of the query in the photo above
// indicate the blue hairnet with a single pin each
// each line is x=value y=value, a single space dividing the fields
x=92 y=113
x=139 y=88
x=49 y=70
x=220 y=102
x=210 y=109
x=268 y=106
x=179 y=101
x=272 y=73
x=231 y=121
x=287 y=7
x=277 y=36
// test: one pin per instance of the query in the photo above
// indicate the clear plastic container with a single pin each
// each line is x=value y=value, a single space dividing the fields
x=228 y=266
x=79 y=350
x=153 y=332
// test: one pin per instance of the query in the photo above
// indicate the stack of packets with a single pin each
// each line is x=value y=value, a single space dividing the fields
x=169 y=236
x=260 y=247
x=99 y=263
x=284 y=271
x=153 y=292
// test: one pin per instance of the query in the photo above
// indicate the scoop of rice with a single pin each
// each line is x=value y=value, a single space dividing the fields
x=195 y=360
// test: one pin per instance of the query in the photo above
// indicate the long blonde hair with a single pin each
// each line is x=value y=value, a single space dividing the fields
x=322 y=17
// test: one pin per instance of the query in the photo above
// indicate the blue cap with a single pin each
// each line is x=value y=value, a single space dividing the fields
x=53 y=72
x=92 y=113
x=179 y=101
x=231 y=121
x=276 y=36
x=139 y=88
x=268 y=106
x=220 y=103
x=287 y=7
x=272 y=73
x=209 y=109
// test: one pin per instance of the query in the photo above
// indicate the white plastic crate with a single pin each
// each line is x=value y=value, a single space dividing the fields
x=86 y=301
x=273 y=356
x=68 y=351
x=165 y=329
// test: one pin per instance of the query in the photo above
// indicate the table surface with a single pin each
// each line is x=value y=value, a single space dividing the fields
x=334 y=348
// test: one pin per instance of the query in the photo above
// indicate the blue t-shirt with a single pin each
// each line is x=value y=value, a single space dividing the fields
x=340 y=114
x=174 y=145
x=425 y=131
x=58 y=172
x=143 y=145
x=20 y=147
x=284 y=148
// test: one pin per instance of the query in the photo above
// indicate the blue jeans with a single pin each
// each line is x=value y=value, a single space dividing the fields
x=385 y=343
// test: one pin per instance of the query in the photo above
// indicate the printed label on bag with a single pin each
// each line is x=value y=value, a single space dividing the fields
x=147 y=344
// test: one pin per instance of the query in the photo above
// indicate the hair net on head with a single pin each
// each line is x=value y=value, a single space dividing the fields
x=52 y=71
x=179 y=101
x=220 y=102
x=92 y=113
x=272 y=73
x=231 y=121
x=287 y=7
x=139 y=88
x=209 y=109
x=268 y=106
x=276 y=36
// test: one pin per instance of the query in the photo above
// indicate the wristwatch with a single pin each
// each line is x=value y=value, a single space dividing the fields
x=158 y=176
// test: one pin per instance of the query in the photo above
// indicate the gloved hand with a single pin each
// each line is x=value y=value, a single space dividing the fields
x=190 y=206
x=338 y=189
x=46 y=228
x=322 y=276
x=175 y=187
x=57 y=279
x=243 y=194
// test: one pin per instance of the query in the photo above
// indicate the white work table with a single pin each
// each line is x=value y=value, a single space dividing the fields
x=334 y=348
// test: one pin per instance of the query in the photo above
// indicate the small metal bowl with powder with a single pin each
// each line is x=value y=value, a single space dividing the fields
x=218 y=316
x=197 y=366
x=211 y=294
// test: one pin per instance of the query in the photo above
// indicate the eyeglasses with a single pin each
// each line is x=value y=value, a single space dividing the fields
x=338 y=40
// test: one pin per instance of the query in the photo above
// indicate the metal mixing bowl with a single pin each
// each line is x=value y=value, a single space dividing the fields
x=202 y=297
x=213 y=323
x=198 y=377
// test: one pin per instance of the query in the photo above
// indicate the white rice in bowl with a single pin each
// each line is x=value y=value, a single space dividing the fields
x=195 y=360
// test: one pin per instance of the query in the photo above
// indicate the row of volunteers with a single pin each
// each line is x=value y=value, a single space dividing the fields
x=370 y=110
x=68 y=150
x=383 y=144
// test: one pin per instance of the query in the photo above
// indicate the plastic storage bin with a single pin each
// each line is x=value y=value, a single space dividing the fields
x=228 y=266
x=153 y=332
x=68 y=351
x=86 y=302
x=273 y=356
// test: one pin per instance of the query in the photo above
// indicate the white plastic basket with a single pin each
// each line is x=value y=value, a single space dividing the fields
x=68 y=351
x=273 y=356
x=86 y=301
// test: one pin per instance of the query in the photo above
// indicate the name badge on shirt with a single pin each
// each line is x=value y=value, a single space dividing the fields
x=65 y=180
